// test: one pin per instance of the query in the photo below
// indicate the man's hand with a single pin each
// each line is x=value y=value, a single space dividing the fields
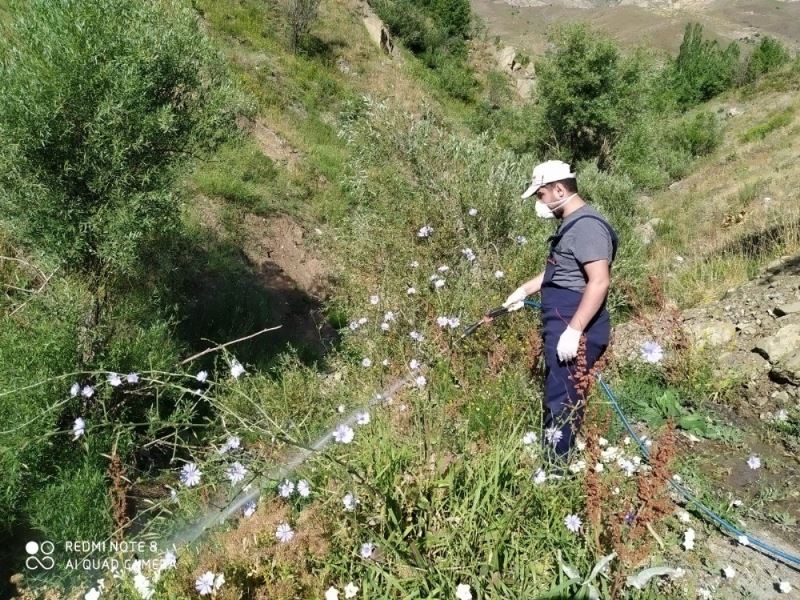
x=515 y=300
x=567 y=348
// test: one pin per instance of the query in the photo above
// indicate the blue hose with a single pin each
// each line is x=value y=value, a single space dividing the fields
x=688 y=496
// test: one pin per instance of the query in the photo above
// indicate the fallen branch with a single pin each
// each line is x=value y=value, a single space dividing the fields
x=221 y=346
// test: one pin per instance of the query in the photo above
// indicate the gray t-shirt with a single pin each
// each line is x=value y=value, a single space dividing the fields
x=586 y=241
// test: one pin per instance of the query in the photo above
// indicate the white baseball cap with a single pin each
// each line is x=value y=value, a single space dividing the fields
x=547 y=172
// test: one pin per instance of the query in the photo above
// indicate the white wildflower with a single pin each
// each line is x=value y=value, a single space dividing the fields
x=114 y=380
x=366 y=362
x=539 y=477
x=529 y=438
x=304 y=488
x=190 y=474
x=389 y=316
x=652 y=352
x=577 y=466
x=284 y=533
x=441 y=321
x=374 y=299
x=499 y=274
x=754 y=462
x=472 y=212
x=331 y=593
x=132 y=377
x=236 y=472
x=92 y=594
x=411 y=290
x=87 y=391
x=249 y=508
x=205 y=583
x=75 y=389
x=729 y=572
x=413 y=364
x=468 y=254
x=343 y=434
x=78 y=428
x=143 y=586
x=362 y=417
x=367 y=550
x=237 y=370
x=201 y=376
x=553 y=435
x=350 y=590
x=573 y=523
x=424 y=231
x=350 y=501
x=286 y=488
x=463 y=592
x=420 y=381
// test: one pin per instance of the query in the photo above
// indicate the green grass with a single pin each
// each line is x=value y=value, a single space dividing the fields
x=773 y=123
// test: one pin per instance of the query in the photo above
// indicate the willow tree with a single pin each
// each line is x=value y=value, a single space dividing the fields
x=102 y=102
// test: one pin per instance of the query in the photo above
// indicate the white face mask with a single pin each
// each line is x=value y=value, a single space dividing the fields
x=545 y=212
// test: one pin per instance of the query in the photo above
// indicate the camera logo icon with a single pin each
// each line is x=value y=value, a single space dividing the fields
x=39 y=555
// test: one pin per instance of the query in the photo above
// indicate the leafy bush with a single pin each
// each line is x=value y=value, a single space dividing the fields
x=769 y=55
x=702 y=68
x=584 y=92
x=698 y=134
x=100 y=103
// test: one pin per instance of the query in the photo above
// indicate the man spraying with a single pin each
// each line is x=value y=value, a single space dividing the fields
x=574 y=288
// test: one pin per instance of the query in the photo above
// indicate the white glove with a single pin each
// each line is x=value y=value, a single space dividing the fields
x=567 y=348
x=514 y=301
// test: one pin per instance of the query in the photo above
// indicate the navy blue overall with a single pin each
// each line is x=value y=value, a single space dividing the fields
x=562 y=408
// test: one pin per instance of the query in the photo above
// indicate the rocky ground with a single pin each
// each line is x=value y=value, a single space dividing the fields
x=752 y=338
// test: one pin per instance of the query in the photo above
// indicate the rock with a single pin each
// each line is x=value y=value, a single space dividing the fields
x=525 y=87
x=782 y=350
x=506 y=58
x=732 y=112
x=787 y=309
x=378 y=33
x=646 y=233
x=781 y=396
x=710 y=333
x=787 y=370
x=738 y=363
x=784 y=343
x=343 y=66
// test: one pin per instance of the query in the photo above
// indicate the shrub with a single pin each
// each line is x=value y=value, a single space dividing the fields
x=583 y=89
x=769 y=55
x=100 y=103
x=702 y=68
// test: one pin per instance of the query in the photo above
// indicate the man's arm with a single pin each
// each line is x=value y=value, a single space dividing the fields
x=598 y=276
x=534 y=285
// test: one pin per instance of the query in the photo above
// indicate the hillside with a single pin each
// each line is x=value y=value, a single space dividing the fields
x=303 y=416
